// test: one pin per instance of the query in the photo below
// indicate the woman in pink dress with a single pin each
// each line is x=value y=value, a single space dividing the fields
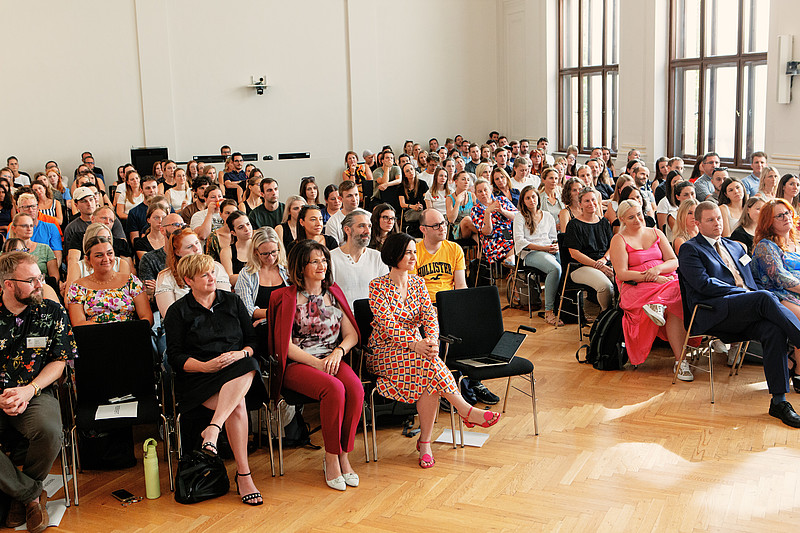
x=652 y=304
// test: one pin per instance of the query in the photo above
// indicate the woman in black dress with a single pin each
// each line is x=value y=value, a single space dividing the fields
x=412 y=199
x=287 y=230
x=588 y=238
x=210 y=342
x=235 y=256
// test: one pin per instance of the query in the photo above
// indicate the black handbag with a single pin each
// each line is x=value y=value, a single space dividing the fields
x=200 y=477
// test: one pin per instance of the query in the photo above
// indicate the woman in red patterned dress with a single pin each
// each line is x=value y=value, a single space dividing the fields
x=407 y=365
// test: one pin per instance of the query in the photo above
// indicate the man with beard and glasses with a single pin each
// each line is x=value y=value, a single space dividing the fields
x=352 y=263
x=35 y=343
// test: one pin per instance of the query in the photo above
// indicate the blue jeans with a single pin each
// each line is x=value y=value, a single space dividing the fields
x=547 y=263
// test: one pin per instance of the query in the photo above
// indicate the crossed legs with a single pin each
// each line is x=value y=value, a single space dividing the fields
x=230 y=409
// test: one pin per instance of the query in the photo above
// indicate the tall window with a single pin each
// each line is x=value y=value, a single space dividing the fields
x=718 y=78
x=588 y=73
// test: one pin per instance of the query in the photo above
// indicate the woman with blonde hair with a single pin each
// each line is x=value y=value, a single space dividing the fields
x=264 y=272
x=768 y=183
x=210 y=345
x=685 y=227
x=643 y=255
x=484 y=170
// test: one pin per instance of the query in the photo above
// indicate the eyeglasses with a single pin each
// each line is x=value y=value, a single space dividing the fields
x=783 y=216
x=28 y=206
x=33 y=281
x=25 y=226
x=273 y=253
x=177 y=225
x=437 y=226
x=388 y=218
x=317 y=262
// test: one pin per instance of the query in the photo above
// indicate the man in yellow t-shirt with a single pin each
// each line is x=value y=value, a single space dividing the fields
x=439 y=261
x=441 y=264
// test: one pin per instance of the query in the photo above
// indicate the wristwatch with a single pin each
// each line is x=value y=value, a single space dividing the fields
x=37 y=390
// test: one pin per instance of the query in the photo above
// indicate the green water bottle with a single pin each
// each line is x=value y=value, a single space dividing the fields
x=152 y=482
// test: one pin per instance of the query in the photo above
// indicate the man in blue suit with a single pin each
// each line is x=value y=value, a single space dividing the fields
x=715 y=272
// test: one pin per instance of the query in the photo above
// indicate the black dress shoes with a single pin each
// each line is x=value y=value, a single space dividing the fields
x=785 y=413
x=483 y=394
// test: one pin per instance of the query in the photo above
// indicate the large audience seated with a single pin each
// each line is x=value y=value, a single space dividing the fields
x=203 y=254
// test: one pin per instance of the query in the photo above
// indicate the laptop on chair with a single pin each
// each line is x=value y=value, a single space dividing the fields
x=502 y=353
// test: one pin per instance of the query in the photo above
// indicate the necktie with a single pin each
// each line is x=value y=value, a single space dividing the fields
x=728 y=260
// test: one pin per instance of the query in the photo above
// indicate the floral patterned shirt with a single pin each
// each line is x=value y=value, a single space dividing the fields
x=107 y=305
x=39 y=335
x=317 y=326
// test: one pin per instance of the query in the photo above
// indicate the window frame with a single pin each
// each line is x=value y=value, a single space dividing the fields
x=580 y=71
x=702 y=63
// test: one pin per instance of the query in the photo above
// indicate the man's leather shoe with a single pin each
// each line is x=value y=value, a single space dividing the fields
x=16 y=515
x=484 y=395
x=36 y=515
x=785 y=413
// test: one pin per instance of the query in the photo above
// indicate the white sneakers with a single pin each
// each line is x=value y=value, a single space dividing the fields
x=718 y=346
x=656 y=313
x=684 y=372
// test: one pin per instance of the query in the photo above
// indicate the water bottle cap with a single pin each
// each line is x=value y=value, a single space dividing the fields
x=149 y=443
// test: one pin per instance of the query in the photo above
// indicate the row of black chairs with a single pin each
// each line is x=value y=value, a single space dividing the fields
x=120 y=359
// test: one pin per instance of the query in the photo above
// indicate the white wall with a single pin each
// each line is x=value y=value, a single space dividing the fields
x=783 y=120
x=106 y=76
x=341 y=74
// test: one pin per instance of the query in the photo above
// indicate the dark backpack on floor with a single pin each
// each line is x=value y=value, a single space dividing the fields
x=606 y=348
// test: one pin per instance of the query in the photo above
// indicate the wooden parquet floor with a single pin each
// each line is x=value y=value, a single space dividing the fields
x=617 y=451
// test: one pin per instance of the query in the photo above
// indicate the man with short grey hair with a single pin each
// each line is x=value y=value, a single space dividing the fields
x=352 y=263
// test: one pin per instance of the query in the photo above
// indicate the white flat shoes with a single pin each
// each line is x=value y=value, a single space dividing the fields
x=351 y=479
x=336 y=483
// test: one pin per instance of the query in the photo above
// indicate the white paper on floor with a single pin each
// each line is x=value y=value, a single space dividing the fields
x=116 y=410
x=55 y=510
x=54 y=483
x=471 y=438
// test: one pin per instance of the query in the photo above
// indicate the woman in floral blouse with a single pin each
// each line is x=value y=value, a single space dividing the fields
x=106 y=295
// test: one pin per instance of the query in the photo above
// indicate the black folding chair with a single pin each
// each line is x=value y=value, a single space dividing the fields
x=115 y=360
x=475 y=317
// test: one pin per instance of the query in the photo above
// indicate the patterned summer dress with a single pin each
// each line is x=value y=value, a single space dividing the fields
x=403 y=374
x=496 y=245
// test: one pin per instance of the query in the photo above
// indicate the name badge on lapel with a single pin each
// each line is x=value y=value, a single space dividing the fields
x=745 y=260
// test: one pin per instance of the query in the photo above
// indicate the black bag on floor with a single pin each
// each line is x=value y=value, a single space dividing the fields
x=606 y=348
x=200 y=477
x=479 y=273
x=106 y=450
